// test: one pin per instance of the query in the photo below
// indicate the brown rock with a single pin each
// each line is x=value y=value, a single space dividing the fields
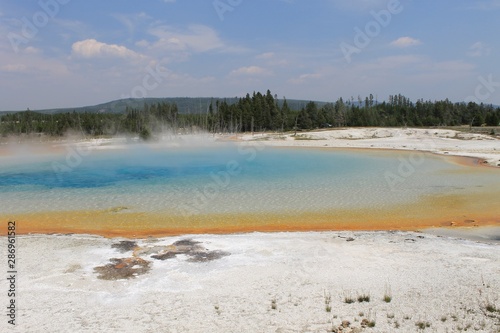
x=122 y=268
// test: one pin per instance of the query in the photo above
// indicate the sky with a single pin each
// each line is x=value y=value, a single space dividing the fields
x=70 y=53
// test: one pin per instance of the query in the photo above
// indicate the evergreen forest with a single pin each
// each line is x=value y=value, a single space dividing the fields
x=253 y=113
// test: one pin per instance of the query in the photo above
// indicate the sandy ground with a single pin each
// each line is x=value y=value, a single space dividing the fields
x=276 y=282
x=439 y=141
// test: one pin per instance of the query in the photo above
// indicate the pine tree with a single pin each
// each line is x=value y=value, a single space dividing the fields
x=285 y=114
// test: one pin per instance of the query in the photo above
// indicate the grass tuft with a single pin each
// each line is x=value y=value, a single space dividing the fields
x=274 y=306
x=491 y=308
x=388 y=294
x=348 y=300
x=328 y=300
x=363 y=298
x=422 y=325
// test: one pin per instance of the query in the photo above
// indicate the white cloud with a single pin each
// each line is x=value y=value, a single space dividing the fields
x=251 y=71
x=274 y=60
x=142 y=43
x=32 y=50
x=478 y=49
x=305 y=77
x=406 y=41
x=14 y=68
x=197 y=38
x=33 y=64
x=91 y=48
x=267 y=55
x=29 y=65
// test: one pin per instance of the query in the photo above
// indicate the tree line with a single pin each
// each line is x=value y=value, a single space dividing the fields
x=254 y=113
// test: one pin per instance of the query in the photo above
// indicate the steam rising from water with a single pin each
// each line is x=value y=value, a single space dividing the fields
x=197 y=174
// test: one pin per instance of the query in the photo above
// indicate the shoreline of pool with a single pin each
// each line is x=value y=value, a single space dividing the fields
x=48 y=224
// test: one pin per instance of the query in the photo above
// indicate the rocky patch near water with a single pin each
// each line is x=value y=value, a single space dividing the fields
x=140 y=263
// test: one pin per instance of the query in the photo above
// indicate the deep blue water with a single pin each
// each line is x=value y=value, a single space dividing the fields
x=227 y=178
x=102 y=169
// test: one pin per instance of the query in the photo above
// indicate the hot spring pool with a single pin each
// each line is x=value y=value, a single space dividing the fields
x=238 y=187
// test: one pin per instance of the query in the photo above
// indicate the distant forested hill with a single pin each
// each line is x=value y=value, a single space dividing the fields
x=185 y=105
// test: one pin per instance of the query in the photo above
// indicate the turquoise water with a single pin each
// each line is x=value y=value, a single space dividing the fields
x=227 y=179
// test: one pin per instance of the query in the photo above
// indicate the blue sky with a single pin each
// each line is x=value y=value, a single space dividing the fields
x=64 y=53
